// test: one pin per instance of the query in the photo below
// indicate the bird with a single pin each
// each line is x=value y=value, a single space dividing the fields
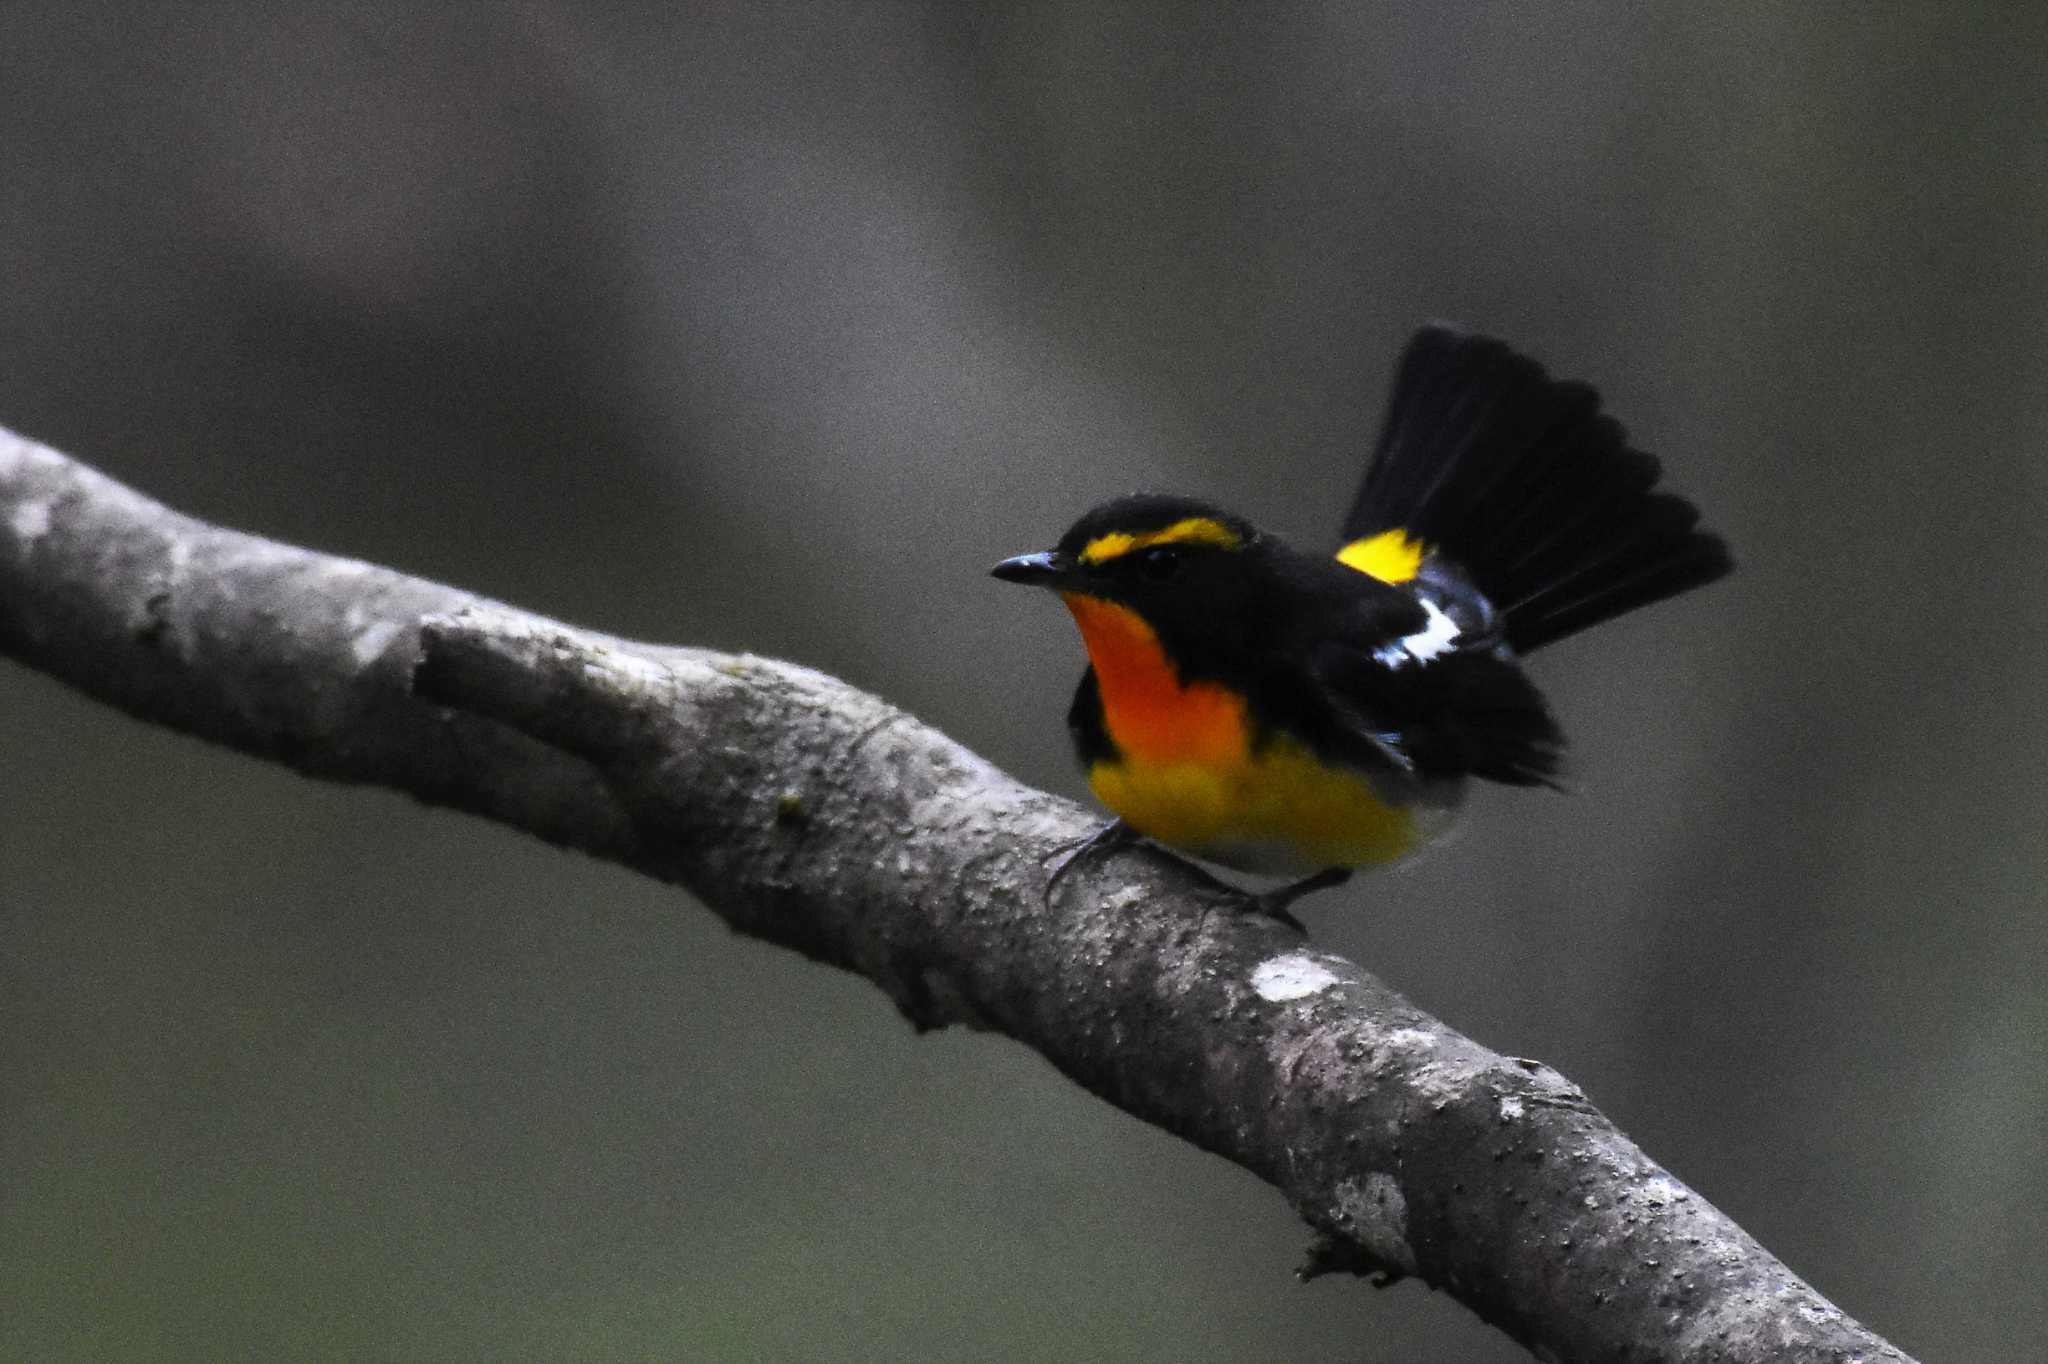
x=1298 y=714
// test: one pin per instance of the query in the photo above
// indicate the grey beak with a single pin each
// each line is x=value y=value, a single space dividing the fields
x=1033 y=570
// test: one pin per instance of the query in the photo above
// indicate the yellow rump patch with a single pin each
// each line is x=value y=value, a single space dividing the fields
x=1391 y=556
x=1194 y=530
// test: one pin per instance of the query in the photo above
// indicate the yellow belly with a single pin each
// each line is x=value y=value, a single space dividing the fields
x=1275 y=810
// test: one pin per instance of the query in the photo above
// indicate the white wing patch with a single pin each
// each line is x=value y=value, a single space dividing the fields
x=1437 y=637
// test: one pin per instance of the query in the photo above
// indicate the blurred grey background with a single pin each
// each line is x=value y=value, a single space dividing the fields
x=770 y=326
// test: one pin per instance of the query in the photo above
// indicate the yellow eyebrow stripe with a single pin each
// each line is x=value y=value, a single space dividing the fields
x=1194 y=530
x=1391 y=556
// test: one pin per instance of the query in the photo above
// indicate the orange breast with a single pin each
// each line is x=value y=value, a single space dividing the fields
x=1153 y=716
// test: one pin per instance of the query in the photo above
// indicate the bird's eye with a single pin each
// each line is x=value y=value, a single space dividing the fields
x=1158 y=564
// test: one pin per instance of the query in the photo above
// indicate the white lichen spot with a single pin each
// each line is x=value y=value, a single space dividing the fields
x=1293 y=976
x=30 y=521
x=1510 y=1108
x=371 y=641
x=1432 y=1076
x=1123 y=898
x=616 y=668
x=1661 y=1189
x=1376 y=1215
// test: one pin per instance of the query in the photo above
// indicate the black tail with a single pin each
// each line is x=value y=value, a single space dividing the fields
x=1521 y=480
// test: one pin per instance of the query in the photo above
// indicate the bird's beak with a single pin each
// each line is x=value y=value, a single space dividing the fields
x=1033 y=570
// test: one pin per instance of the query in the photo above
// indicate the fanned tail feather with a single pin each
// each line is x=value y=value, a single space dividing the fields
x=1526 y=485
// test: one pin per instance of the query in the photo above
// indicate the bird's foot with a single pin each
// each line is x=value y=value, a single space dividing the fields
x=1110 y=838
x=1278 y=904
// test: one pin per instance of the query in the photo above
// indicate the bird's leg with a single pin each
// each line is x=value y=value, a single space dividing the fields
x=1109 y=838
x=1276 y=904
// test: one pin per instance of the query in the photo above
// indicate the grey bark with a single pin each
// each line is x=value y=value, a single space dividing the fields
x=812 y=815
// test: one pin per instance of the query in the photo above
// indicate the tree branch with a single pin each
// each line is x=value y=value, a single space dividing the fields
x=813 y=815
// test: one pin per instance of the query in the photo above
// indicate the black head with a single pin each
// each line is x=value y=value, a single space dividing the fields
x=1153 y=520
x=1123 y=546
x=1192 y=570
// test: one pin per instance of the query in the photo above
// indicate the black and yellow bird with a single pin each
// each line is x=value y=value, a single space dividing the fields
x=1302 y=715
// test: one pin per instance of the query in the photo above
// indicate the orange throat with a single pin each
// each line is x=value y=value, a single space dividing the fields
x=1152 y=715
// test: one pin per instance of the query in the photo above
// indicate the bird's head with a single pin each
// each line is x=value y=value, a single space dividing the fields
x=1187 y=570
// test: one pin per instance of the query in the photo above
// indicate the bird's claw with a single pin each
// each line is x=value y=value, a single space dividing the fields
x=1109 y=838
x=1278 y=903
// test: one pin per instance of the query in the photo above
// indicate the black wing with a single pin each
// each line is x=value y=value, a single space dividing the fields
x=1435 y=694
x=1468 y=712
